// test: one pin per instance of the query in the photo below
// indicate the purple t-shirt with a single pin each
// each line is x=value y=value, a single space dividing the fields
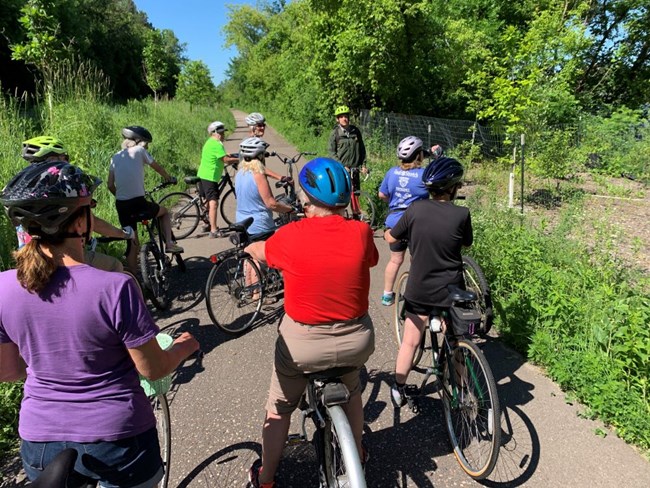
x=81 y=385
x=402 y=187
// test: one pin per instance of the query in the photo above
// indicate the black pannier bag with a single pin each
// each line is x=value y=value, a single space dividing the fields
x=465 y=319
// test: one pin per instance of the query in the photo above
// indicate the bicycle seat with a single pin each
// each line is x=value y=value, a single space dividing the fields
x=332 y=373
x=241 y=226
x=459 y=295
x=56 y=474
x=191 y=180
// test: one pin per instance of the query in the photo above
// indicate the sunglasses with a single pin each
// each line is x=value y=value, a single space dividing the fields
x=261 y=126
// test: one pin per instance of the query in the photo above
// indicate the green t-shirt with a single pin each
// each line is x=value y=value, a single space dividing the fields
x=211 y=166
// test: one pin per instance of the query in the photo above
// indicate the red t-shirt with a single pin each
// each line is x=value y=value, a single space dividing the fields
x=326 y=265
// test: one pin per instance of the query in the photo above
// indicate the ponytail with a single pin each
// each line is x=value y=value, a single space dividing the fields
x=34 y=267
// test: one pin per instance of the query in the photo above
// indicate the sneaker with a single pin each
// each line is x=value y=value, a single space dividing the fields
x=206 y=228
x=174 y=248
x=398 y=396
x=387 y=299
x=254 y=475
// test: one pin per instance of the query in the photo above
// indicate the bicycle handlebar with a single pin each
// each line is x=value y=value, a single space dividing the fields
x=287 y=160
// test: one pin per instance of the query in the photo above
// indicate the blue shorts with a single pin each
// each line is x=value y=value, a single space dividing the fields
x=134 y=462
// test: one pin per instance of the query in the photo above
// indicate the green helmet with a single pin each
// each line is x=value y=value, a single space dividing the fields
x=39 y=148
x=343 y=109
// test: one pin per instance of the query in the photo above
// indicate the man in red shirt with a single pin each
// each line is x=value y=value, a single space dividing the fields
x=325 y=260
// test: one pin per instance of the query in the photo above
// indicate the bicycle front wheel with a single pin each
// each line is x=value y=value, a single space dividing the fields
x=399 y=315
x=154 y=275
x=184 y=213
x=340 y=462
x=475 y=281
x=366 y=209
x=228 y=207
x=163 y=426
x=233 y=294
x=472 y=412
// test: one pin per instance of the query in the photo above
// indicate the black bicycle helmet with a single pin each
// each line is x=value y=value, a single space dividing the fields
x=42 y=197
x=442 y=174
x=137 y=133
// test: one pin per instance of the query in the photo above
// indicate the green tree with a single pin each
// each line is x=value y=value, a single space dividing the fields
x=195 y=84
x=162 y=56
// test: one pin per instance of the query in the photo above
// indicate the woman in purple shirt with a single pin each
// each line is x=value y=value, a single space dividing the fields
x=79 y=337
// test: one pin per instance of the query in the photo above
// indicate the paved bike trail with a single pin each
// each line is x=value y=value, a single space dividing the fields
x=217 y=409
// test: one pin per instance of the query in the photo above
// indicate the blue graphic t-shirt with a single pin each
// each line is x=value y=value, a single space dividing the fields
x=402 y=187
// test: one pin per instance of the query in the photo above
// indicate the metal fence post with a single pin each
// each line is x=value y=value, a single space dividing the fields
x=523 y=143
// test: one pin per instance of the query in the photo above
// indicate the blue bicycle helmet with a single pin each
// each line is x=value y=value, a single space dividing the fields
x=442 y=174
x=326 y=181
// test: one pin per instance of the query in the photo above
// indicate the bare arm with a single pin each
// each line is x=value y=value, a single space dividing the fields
x=104 y=228
x=257 y=250
x=228 y=159
x=153 y=363
x=267 y=197
x=272 y=174
x=388 y=237
x=161 y=171
x=111 y=182
x=12 y=366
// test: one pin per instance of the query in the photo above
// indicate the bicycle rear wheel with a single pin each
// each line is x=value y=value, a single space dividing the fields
x=399 y=315
x=233 y=294
x=154 y=275
x=228 y=207
x=341 y=462
x=184 y=213
x=163 y=426
x=472 y=412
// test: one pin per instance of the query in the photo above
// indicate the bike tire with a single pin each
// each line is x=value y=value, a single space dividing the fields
x=399 y=317
x=184 y=213
x=160 y=406
x=154 y=275
x=341 y=461
x=475 y=281
x=232 y=305
x=228 y=207
x=472 y=411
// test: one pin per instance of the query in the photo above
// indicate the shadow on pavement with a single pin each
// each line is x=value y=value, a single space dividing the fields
x=520 y=447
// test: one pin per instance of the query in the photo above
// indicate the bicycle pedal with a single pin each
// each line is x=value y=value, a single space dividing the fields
x=294 y=439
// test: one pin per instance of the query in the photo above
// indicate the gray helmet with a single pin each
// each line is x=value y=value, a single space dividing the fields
x=255 y=118
x=216 y=126
x=137 y=133
x=253 y=147
x=408 y=147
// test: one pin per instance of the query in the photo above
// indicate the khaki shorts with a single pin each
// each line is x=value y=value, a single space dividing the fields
x=102 y=261
x=302 y=348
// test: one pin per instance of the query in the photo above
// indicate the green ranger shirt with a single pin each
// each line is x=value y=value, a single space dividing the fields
x=211 y=166
x=346 y=146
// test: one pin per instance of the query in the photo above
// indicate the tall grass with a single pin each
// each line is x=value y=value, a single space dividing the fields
x=74 y=107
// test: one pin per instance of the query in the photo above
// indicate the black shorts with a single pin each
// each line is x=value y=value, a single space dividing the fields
x=209 y=189
x=418 y=308
x=399 y=246
x=132 y=211
x=356 y=178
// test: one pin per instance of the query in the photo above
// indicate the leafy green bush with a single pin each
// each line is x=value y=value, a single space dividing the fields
x=581 y=315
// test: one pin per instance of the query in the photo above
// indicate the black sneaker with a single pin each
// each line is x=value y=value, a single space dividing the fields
x=398 y=396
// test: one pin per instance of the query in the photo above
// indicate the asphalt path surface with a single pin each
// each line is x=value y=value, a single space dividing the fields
x=217 y=408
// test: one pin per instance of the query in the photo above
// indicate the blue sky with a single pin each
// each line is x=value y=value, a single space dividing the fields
x=198 y=24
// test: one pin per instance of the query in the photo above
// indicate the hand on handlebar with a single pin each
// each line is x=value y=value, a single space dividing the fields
x=287 y=179
x=187 y=342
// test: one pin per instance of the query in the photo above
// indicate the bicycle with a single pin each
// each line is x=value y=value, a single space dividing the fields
x=154 y=263
x=237 y=285
x=465 y=381
x=361 y=205
x=186 y=211
x=289 y=196
x=339 y=463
